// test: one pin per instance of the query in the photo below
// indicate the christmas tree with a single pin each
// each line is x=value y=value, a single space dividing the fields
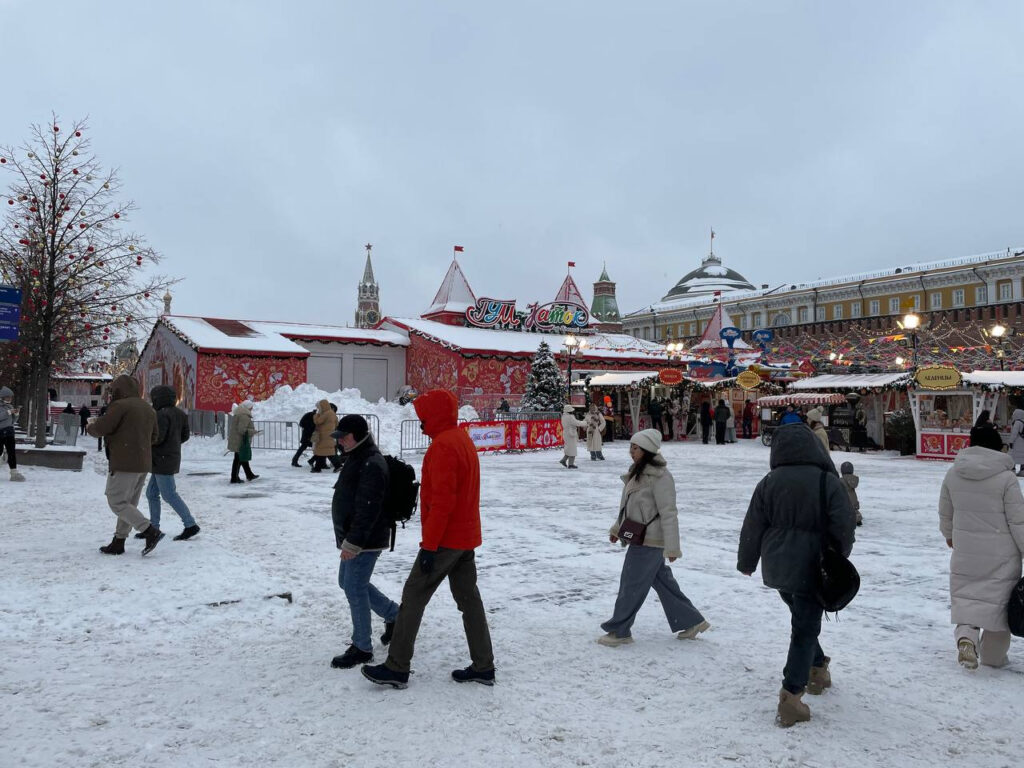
x=545 y=386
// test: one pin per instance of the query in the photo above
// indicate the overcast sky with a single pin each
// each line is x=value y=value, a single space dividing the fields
x=266 y=142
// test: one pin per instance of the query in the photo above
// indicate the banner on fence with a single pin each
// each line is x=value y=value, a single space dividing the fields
x=514 y=435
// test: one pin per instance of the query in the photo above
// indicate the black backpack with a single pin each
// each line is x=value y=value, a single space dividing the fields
x=401 y=496
x=1015 y=610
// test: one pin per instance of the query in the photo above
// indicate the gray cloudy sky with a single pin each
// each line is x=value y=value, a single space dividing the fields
x=265 y=142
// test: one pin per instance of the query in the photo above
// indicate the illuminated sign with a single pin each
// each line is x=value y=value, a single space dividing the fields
x=670 y=377
x=493 y=313
x=558 y=317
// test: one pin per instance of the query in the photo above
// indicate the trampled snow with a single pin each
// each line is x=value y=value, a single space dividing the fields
x=120 y=661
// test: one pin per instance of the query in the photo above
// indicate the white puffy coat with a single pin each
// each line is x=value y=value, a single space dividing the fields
x=982 y=510
x=569 y=426
x=651 y=499
x=595 y=426
x=1017 y=436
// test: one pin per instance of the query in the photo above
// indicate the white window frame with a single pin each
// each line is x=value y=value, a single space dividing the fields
x=802 y=313
x=916 y=302
x=819 y=314
x=981 y=294
x=958 y=297
x=935 y=301
x=894 y=305
x=755 y=320
x=855 y=308
x=875 y=307
x=837 y=312
x=1006 y=291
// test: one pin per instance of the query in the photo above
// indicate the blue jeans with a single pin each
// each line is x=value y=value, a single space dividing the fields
x=354 y=577
x=163 y=485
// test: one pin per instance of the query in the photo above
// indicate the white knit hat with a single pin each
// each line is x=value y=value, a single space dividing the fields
x=648 y=439
x=814 y=414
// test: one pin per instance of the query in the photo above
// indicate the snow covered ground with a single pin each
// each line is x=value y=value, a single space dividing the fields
x=118 y=661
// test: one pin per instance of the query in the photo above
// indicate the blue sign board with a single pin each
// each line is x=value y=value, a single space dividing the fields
x=10 y=312
x=764 y=335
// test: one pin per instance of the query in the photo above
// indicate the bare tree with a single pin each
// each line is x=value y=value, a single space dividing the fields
x=86 y=281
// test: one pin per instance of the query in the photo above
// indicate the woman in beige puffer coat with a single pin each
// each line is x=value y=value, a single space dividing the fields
x=595 y=426
x=570 y=438
x=326 y=421
x=981 y=516
x=649 y=498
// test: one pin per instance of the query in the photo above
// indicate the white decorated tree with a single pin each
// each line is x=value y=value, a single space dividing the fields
x=545 y=385
x=86 y=280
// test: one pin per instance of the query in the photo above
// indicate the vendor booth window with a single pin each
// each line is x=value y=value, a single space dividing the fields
x=947 y=412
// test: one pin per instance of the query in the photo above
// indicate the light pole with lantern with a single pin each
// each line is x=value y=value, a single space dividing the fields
x=1000 y=333
x=572 y=345
x=912 y=322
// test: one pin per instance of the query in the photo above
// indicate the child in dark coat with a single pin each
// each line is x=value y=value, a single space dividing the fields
x=850 y=482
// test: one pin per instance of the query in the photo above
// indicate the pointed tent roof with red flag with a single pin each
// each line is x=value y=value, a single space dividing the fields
x=711 y=340
x=454 y=295
x=570 y=293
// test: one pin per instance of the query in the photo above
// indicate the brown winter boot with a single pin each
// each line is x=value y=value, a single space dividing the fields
x=791 y=709
x=115 y=547
x=820 y=679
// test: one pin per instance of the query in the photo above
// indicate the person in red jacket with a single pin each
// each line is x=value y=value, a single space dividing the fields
x=450 y=521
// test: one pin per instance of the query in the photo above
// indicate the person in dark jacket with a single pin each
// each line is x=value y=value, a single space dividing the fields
x=99 y=440
x=450 y=521
x=706 y=420
x=655 y=411
x=748 y=420
x=69 y=408
x=172 y=430
x=83 y=417
x=785 y=529
x=130 y=428
x=307 y=427
x=722 y=412
x=790 y=416
x=362 y=530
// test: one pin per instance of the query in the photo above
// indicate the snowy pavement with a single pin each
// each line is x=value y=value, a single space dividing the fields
x=119 y=661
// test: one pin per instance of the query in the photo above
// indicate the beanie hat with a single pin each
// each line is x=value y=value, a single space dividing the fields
x=986 y=437
x=648 y=439
x=814 y=414
x=352 y=424
x=568 y=408
x=846 y=468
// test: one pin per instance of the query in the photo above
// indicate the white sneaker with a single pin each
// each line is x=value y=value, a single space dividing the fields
x=967 y=654
x=611 y=640
x=692 y=632
x=16 y=476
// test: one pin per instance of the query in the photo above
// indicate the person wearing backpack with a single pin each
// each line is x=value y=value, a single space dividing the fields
x=362 y=530
x=450 y=521
x=981 y=517
x=785 y=529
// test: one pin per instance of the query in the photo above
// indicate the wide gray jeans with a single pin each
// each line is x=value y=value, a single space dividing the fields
x=644 y=568
x=123 y=492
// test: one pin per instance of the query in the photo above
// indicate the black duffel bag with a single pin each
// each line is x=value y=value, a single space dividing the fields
x=1015 y=610
x=838 y=580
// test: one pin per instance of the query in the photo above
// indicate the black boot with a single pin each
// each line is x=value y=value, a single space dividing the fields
x=188 y=533
x=389 y=630
x=115 y=547
x=236 y=480
x=153 y=536
x=351 y=657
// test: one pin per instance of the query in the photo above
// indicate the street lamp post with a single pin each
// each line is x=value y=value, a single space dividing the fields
x=912 y=322
x=1000 y=332
x=573 y=345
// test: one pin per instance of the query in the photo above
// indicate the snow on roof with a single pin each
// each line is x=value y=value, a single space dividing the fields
x=1005 y=378
x=465 y=339
x=82 y=377
x=454 y=295
x=269 y=338
x=619 y=378
x=804 y=398
x=849 y=381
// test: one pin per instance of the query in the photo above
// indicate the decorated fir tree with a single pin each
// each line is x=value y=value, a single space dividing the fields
x=545 y=386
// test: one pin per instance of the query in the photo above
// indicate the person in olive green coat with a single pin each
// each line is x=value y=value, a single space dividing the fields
x=241 y=427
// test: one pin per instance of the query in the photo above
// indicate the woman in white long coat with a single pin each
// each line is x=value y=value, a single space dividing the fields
x=570 y=437
x=595 y=426
x=1017 y=440
x=981 y=516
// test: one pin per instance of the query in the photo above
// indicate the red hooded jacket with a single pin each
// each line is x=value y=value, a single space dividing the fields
x=450 y=482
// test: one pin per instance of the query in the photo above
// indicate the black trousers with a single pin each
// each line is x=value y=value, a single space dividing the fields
x=303 y=445
x=748 y=428
x=656 y=423
x=236 y=463
x=7 y=441
x=804 y=649
x=720 y=432
x=705 y=432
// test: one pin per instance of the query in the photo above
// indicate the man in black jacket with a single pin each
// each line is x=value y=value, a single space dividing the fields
x=785 y=528
x=172 y=431
x=307 y=427
x=362 y=530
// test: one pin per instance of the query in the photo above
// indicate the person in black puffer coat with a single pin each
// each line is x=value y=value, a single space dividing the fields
x=784 y=529
x=172 y=430
x=362 y=530
x=307 y=428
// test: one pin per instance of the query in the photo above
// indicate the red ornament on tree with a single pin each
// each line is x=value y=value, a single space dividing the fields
x=117 y=215
x=74 y=171
x=56 y=129
x=78 y=133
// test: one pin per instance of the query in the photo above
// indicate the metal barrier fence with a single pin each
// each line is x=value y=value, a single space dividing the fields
x=526 y=416
x=284 y=435
x=412 y=438
x=206 y=423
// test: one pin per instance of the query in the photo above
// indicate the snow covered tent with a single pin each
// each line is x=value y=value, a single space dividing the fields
x=213 y=362
x=880 y=393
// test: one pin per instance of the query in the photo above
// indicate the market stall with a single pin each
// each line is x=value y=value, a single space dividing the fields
x=878 y=394
x=770 y=407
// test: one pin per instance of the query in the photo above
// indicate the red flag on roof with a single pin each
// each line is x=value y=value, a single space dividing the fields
x=572 y=263
x=459 y=249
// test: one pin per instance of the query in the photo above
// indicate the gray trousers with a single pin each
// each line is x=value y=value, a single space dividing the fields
x=645 y=567
x=459 y=567
x=123 y=492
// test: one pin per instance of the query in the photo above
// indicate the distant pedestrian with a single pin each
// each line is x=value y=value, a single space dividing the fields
x=790 y=416
x=450 y=519
x=69 y=409
x=748 y=420
x=981 y=516
x=362 y=530
x=1017 y=440
x=99 y=440
x=240 y=436
x=595 y=426
x=655 y=411
x=850 y=481
x=722 y=412
x=707 y=418
x=504 y=407
x=8 y=413
x=130 y=428
x=785 y=529
x=730 y=427
x=816 y=421
x=83 y=418
x=671 y=412
x=649 y=499
x=326 y=422
x=570 y=436
x=172 y=430
x=306 y=429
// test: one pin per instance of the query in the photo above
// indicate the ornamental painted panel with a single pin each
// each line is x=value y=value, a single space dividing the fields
x=933 y=444
x=224 y=380
x=956 y=443
x=430 y=365
x=168 y=360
